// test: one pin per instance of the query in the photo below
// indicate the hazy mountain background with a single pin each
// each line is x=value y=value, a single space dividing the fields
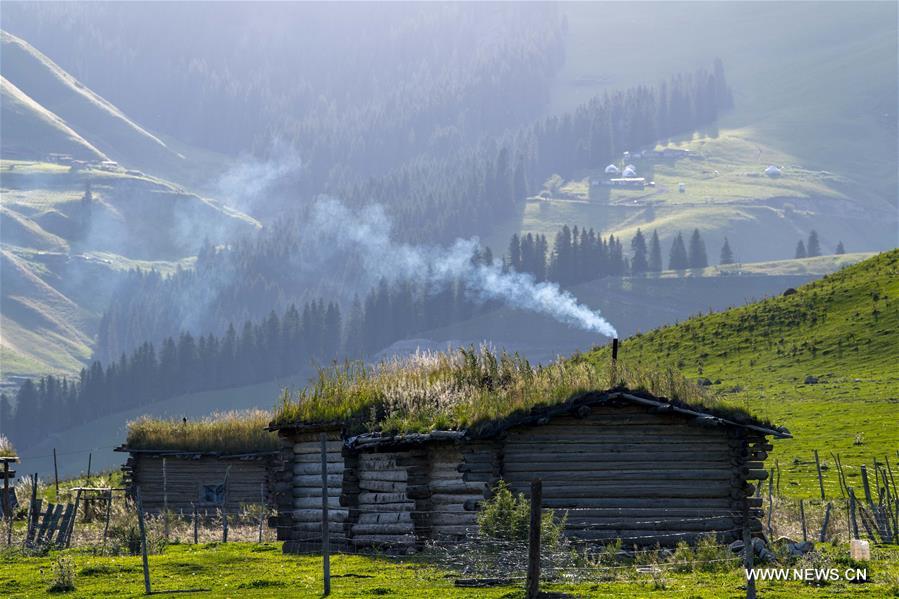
x=227 y=122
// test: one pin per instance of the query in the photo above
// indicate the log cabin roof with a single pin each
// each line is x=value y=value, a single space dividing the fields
x=194 y=454
x=710 y=418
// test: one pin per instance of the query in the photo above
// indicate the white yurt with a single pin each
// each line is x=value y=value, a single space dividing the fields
x=773 y=171
x=612 y=170
x=629 y=171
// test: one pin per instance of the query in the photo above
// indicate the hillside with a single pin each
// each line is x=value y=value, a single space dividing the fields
x=814 y=93
x=841 y=329
x=62 y=256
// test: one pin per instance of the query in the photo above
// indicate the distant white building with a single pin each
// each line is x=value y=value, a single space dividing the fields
x=682 y=187
x=613 y=170
x=627 y=182
x=773 y=171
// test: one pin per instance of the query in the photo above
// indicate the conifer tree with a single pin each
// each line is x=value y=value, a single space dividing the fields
x=727 y=256
x=800 y=250
x=813 y=247
x=677 y=258
x=515 y=253
x=697 y=255
x=655 y=253
x=840 y=249
x=639 y=262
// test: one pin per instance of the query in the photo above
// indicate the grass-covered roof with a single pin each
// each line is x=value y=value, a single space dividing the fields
x=225 y=433
x=6 y=448
x=440 y=391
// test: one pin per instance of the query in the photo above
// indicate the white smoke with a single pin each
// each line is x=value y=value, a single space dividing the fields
x=365 y=234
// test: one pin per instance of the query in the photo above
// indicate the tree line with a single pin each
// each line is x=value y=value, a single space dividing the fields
x=275 y=346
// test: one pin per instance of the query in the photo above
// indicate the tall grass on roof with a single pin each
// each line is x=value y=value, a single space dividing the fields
x=441 y=391
x=6 y=448
x=226 y=432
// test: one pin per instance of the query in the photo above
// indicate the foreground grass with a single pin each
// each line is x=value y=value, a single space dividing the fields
x=247 y=570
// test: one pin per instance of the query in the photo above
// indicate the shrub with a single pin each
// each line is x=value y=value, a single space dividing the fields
x=506 y=517
x=6 y=448
x=63 y=575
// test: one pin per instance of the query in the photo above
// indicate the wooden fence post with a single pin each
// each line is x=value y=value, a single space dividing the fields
x=143 y=540
x=56 y=475
x=31 y=512
x=165 y=503
x=7 y=515
x=533 y=580
x=748 y=552
x=71 y=527
x=87 y=479
x=802 y=519
x=196 y=524
x=823 y=534
x=852 y=517
x=820 y=479
x=770 y=500
x=106 y=519
x=326 y=533
x=225 y=506
x=261 y=507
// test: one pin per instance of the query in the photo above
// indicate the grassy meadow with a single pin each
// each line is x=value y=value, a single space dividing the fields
x=252 y=570
x=841 y=330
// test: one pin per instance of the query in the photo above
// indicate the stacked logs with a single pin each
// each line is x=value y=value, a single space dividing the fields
x=304 y=532
x=461 y=478
x=626 y=472
x=385 y=494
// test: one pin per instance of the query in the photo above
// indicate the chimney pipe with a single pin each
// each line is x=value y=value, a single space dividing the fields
x=615 y=348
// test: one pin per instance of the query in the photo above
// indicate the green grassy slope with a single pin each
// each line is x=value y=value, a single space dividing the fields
x=95 y=120
x=841 y=329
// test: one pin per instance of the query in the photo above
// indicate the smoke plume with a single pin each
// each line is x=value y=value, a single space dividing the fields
x=366 y=236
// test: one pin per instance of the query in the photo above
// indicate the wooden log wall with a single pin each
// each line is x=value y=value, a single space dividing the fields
x=628 y=472
x=389 y=495
x=301 y=531
x=185 y=477
x=461 y=477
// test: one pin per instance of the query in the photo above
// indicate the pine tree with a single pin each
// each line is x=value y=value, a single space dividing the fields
x=727 y=256
x=813 y=247
x=800 y=250
x=655 y=253
x=677 y=258
x=639 y=263
x=840 y=249
x=697 y=256
x=515 y=253
x=5 y=415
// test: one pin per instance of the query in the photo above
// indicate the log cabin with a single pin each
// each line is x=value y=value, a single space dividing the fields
x=620 y=464
x=222 y=462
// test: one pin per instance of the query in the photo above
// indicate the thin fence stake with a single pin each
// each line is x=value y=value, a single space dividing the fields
x=106 y=519
x=326 y=533
x=802 y=518
x=143 y=540
x=770 y=500
x=88 y=477
x=261 y=507
x=56 y=475
x=748 y=551
x=533 y=580
x=823 y=534
x=7 y=513
x=71 y=528
x=196 y=532
x=225 y=506
x=820 y=478
x=31 y=509
x=852 y=518
x=165 y=502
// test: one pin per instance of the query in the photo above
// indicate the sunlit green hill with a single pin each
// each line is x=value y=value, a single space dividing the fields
x=823 y=361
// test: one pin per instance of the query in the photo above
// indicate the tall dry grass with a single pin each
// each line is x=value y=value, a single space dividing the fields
x=232 y=432
x=433 y=390
x=6 y=448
